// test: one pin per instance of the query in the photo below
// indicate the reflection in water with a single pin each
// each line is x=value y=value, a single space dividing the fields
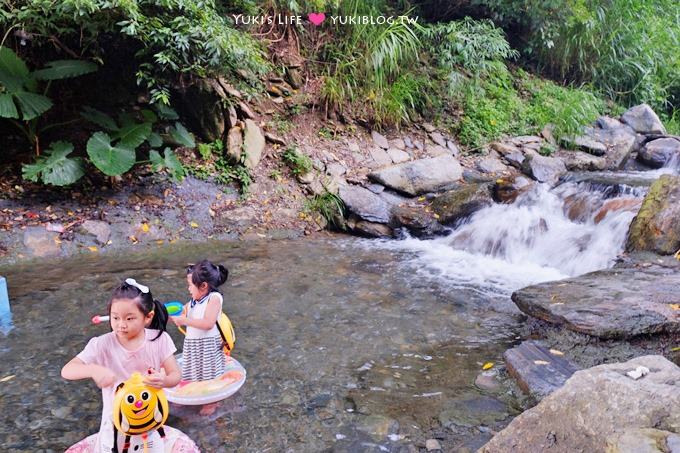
x=308 y=317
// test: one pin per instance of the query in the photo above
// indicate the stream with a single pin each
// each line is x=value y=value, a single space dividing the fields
x=349 y=344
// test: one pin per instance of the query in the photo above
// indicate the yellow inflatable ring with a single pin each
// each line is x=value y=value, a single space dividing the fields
x=206 y=392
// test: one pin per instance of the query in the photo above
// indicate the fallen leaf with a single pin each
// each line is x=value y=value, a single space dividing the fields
x=145 y=227
x=675 y=349
x=436 y=216
x=541 y=362
x=674 y=306
x=556 y=352
x=487 y=365
x=7 y=378
x=133 y=239
x=93 y=248
x=193 y=225
x=421 y=198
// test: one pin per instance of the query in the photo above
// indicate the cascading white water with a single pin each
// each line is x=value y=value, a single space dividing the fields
x=545 y=235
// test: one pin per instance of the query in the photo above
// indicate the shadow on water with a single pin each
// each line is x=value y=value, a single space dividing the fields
x=344 y=350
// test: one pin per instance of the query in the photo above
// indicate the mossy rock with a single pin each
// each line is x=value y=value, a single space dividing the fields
x=656 y=228
x=457 y=204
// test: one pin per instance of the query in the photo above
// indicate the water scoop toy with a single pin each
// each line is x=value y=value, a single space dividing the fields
x=174 y=308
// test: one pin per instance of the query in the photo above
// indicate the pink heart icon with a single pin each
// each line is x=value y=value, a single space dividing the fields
x=316 y=18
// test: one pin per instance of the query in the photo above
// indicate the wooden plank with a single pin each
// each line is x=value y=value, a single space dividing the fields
x=538 y=372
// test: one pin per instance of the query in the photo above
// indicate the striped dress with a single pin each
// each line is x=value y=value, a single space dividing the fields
x=202 y=355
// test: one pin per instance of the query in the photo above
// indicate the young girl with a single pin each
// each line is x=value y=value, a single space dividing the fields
x=138 y=342
x=202 y=352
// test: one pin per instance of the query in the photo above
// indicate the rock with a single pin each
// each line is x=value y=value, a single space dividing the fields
x=457 y=204
x=371 y=229
x=419 y=144
x=398 y=156
x=235 y=144
x=538 y=372
x=507 y=189
x=606 y=122
x=397 y=143
x=616 y=205
x=643 y=440
x=657 y=226
x=380 y=157
x=41 y=243
x=548 y=134
x=245 y=111
x=201 y=105
x=429 y=128
x=294 y=78
x=587 y=144
x=408 y=142
x=611 y=303
x=101 y=230
x=580 y=161
x=432 y=445
x=336 y=169
x=365 y=204
x=491 y=165
x=420 y=176
x=305 y=178
x=620 y=143
x=437 y=150
x=380 y=140
x=504 y=148
x=231 y=117
x=377 y=426
x=275 y=139
x=643 y=120
x=523 y=140
x=438 y=138
x=235 y=219
x=253 y=144
x=473 y=411
x=515 y=158
x=658 y=153
x=594 y=407
x=544 y=169
x=487 y=380
x=419 y=222
x=451 y=145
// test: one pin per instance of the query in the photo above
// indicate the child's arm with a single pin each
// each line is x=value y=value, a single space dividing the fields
x=77 y=369
x=212 y=311
x=168 y=376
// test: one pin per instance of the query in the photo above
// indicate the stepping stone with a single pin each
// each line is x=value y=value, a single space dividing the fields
x=538 y=372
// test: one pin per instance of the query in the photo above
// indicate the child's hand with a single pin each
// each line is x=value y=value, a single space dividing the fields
x=155 y=378
x=103 y=377
x=179 y=320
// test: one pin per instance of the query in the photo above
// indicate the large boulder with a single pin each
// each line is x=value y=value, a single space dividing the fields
x=581 y=161
x=201 y=105
x=365 y=204
x=253 y=144
x=620 y=141
x=506 y=190
x=544 y=169
x=596 y=408
x=658 y=153
x=657 y=226
x=612 y=303
x=417 y=221
x=420 y=176
x=457 y=204
x=41 y=243
x=643 y=120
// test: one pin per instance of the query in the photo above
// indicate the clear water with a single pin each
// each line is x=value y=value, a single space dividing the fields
x=338 y=341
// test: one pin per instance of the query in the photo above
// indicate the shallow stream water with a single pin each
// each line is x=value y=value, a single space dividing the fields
x=346 y=349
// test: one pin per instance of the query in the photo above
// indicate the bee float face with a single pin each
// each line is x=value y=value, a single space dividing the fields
x=138 y=408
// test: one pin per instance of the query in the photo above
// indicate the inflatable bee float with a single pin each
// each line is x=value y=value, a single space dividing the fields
x=138 y=410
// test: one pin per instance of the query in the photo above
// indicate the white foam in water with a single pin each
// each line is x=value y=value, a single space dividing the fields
x=509 y=246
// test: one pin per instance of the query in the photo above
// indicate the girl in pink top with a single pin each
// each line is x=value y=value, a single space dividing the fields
x=138 y=342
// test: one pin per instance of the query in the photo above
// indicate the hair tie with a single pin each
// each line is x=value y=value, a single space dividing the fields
x=133 y=282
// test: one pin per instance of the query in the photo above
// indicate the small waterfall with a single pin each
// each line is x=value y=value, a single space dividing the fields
x=545 y=235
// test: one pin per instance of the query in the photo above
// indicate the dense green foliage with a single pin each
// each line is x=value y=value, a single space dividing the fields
x=169 y=37
x=628 y=49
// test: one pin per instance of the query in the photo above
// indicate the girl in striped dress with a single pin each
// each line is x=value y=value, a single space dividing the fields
x=202 y=355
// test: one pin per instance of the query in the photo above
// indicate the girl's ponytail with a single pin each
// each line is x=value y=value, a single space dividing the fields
x=224 y=274
x=160 y=318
